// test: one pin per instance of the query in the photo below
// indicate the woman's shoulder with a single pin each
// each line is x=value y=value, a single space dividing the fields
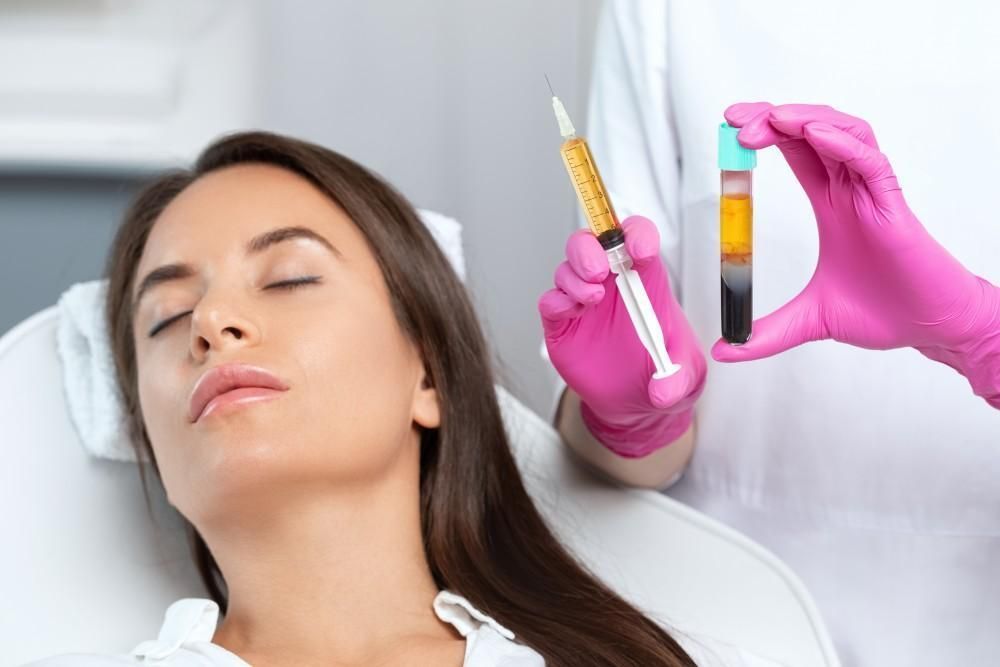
x=184 y=640
x=198 y=654
x=488 y=643
x=83 y=660
x=488 y=648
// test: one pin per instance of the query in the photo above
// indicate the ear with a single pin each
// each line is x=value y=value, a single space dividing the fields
x=426 y=409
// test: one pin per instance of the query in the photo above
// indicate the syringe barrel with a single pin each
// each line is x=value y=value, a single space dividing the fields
x=590 y=190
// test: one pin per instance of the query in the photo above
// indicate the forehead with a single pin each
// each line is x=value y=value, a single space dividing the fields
x=223 y=209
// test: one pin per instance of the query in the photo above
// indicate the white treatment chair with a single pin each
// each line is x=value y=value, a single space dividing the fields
x=85 y=568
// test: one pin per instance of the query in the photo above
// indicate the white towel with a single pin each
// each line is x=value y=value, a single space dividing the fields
x=92 y=395
x=89 y=374
x=448 y=234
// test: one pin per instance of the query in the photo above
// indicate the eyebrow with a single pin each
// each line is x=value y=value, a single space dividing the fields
x=257 y=245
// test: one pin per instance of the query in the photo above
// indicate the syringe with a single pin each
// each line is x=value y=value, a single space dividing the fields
x=605 y=226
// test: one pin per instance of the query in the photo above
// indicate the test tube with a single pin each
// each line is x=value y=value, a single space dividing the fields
x=736 y=164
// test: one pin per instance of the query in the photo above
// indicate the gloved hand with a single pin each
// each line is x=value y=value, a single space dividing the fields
x=593 y=345
x=881 y=281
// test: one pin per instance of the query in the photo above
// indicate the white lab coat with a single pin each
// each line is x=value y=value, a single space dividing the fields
x=875 y=475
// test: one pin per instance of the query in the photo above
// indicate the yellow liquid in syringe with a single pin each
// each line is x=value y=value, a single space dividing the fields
x=590 y=189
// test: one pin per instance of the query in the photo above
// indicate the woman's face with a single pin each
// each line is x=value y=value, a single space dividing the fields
x=355 y=394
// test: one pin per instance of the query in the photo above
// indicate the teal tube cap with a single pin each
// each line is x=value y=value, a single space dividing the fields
x=732 y=156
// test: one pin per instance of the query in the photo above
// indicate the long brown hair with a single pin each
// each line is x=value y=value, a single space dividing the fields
x=483 y=536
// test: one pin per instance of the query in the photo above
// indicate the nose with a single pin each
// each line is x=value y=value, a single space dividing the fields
x=218 y=326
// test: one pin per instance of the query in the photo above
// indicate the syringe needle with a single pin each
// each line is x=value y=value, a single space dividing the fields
x=550 y=84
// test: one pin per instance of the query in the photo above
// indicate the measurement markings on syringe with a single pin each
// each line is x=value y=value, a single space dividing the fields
x=593 y=198
x=586 y=182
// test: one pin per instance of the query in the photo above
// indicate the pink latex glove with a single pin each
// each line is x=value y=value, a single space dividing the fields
x=593 y=345
x=881 y=281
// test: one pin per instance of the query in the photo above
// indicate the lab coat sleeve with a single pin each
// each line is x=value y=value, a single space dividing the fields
x=630 y=124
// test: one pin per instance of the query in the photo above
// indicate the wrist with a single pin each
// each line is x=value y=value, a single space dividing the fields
x=637 y=436
x=978 y=356
x=979 y=363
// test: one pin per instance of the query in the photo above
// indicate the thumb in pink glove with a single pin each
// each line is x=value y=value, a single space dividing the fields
x=593 y=345
x=881 y=280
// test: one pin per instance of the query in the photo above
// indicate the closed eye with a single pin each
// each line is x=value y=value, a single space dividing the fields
x=289 y=285
x=294 y=282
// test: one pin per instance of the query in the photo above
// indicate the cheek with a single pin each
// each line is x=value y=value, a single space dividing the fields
x=359 y=371
x=163 y=401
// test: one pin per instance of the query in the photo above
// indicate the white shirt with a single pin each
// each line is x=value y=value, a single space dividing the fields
x=185 y=640
x=872 y=474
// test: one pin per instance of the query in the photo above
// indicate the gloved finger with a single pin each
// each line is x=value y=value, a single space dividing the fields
x=758 y=133
x=790 y=118
x=821 y=168
x=793 y=324
x=642 y=240
x=680 y=390
x=586 y=256
x=869 y=163
x=741 y=113
x=576 y=287
x=752 y=119
x=555 y=306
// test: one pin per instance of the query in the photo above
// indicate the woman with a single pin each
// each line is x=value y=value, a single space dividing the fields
x=363 y=507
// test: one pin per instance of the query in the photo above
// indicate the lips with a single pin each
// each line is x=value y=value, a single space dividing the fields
x=232 y=382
